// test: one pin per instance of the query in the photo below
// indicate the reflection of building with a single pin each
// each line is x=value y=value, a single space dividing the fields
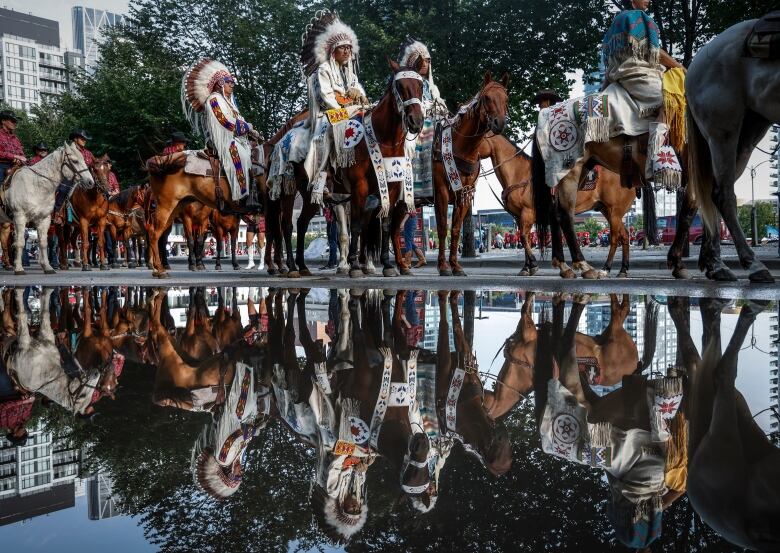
x=774 y=350
x=37 y=478
x=100 y=499
x=89 y=24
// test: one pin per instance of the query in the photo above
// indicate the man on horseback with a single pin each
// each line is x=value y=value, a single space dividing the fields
x=79 y=137
x=177 y=143
x=11 y=151
x=207 y=97
x=329 y=57
x=546 y=97
x=41 y=151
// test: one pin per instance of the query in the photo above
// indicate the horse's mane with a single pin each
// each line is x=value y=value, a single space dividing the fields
x=165 y=164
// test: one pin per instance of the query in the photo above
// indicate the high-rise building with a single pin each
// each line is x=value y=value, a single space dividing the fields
x=100 y=497
x=89 y=24
x=774 y=351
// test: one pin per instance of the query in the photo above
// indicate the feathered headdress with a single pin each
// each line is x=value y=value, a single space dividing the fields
x=411 y=51
x=323 y=35
x=197 y=85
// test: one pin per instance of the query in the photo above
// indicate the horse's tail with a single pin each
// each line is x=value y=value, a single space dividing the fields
x=650 y=219
x=541 y=194
x=373 y=236
x=700 y=174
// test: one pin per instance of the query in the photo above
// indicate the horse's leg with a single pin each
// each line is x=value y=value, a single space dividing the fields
x=220 y=236
x=626 y=253
x=84 y=228
x=308 y=211
x=395 y=230
x=287 y=230
x=357 y=219
x=458 y=215
x=388 y=270
x=340 y=213
x=5 y=240
x=43 y=248
x=200 y=246
x=684 y=219
x=233 y=244
x=189 y=236
x=440 y=206
x=160 y=225
x=614 y=237
x=567 y=199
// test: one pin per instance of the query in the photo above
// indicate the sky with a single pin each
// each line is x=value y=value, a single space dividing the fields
x=484 y=199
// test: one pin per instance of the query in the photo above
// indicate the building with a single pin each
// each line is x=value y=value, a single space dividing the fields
x=34 y=67
x=89 y=24
x=101 y=503
x=37 y=478
x=774 y=355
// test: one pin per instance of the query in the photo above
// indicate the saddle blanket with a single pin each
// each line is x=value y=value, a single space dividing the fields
x=196 y=165
x=564 y=129
x=292 y=148
x=764 y=39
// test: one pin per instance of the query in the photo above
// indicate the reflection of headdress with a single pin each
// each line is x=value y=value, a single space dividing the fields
x=217 y=481
x=323 y=35
x=336 y=524
x=198 y=83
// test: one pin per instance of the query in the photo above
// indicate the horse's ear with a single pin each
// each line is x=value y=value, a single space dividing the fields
x=488 y=77
x=393 y=64
x=505 y=79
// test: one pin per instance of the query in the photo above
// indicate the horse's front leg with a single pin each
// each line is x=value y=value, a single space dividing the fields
x=308 y=211
x=43 y=246
x=458 y=215
x=158 y=227
x=233 y=244
x=287 y=229
x=200 y=247
x=396 y=224
x=614 y=236
x=357 y=220
x=440 y=205
x=340 y=212
x=101 y=243
x=220 y=244
x=84 y=231
x=5 y=240
x=567 y=200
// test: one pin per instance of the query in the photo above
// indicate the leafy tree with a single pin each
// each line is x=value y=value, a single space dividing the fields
x=765 y=215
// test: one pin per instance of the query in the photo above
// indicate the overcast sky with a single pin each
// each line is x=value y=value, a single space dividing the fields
x=59 y=10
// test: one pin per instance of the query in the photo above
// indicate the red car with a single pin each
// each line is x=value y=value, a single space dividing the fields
x=667 y=227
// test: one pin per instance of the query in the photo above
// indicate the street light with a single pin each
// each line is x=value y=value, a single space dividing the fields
x=753 y=219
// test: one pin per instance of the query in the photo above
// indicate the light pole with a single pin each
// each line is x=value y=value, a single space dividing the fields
x=753 y=218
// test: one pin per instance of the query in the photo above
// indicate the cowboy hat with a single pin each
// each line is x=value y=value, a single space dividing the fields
x=6 y=114
x=79 y=133
x=178 y=137
x=41 y=146
x=547 y=94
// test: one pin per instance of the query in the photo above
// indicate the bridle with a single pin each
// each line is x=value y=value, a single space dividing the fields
x=400 y=103
x=475 y=105
x=65 y=162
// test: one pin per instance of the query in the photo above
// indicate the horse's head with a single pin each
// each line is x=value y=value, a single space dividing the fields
x=101 y=168
x=407 y=90
x=492 y=105
x=74 y=167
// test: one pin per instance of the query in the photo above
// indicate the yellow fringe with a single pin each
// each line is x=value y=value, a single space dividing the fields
x=674 y=106
x=677 y=454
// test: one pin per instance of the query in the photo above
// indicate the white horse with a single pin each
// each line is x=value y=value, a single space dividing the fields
x=30 y=197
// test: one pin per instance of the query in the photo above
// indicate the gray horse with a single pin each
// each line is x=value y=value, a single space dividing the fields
x=732 y=102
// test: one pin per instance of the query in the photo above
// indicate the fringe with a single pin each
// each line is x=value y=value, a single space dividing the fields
x=674 y=111
x=677 y=454
x=669 y=386
x=622 y=47
x=349 y=408
x=600 y=434
x=289 y=184
x=597 y=129
x=345 y=157
x=647 y=507
x=667 y=179
x=648 y=113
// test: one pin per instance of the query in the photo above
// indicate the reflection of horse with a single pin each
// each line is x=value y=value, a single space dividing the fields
x=485 y=113
x=125 y=218
x=733 y=469
x=226 y=324
x=732 y=102
x=513 y=170
x=30 y=198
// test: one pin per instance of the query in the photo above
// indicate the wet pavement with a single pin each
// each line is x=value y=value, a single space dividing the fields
x=240 y=418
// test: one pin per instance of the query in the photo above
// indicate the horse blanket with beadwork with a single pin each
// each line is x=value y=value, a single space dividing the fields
x=292 y=148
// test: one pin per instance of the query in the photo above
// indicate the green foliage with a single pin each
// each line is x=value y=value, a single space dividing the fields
x=765 y=215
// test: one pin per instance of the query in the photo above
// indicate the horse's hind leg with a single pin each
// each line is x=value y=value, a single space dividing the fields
x=200 y=247
x=43 y=246
x=220 y=244
x=387 y=268
x=684 y=219
x=5 y=240
x=20 y=222
x=233 y=244
x=458 y=215
x=566 y=202
x=340 y=212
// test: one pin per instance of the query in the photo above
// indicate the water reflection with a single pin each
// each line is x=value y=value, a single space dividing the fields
x=296 y=418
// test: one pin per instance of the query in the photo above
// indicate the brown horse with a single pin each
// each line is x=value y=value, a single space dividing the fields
x=125 y=220
x=512 y=167
x=398 y=112
x=194 y=217
x=171 y=186
x=225 y=226
x=485 y=113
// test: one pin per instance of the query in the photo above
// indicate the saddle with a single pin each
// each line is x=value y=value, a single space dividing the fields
x=764 y=40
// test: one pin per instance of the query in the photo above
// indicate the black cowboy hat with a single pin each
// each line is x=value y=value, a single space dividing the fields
x=178 y=137
x=6 y=114
x=76 y=133
x=41 y=146
x=547 y=94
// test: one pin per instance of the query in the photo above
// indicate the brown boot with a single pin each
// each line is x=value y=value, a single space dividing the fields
x=421 y=261
x=408 y=258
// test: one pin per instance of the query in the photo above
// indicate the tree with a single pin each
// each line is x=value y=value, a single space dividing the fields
x=765 y=215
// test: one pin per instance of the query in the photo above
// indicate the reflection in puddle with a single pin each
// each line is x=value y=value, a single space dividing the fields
x=239 y=415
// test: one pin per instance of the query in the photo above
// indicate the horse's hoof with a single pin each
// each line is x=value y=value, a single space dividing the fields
x=356 y=273
x=62 y=267
x=273 y=272
x=117 y=266
x=49 y=272
x=342 y=271
x=368 y=271
x=406 y=272
x=130 y=265
x=762 y=277
x=445 y=272
x=591 y=274
x=568 y=274
x=20 y=273
x=293 y=274
x=623 y=274
x=681 y=273
x=722 y=274
x=200 y=267
x=305 y=272
x=217 y=267
x=163 y=275
x=534 y=270
x=459 y=273
x=192 y=268
x=166 y=266
x=389 y=272
x=104 y=267
x=86 y=268
x=236 y=267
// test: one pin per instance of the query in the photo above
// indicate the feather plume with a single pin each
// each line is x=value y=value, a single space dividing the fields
x=411 y=51
x=322 y=35
x=196 y=87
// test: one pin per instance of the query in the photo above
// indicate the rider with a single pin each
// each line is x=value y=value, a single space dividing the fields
x=419 y=149
x=113 y=182
x=546 y=97
x=330 y=63
x=79 y=138
x=41 y=151
x=208 y=89
x=11 y=151
x=632 y=54
x=177 y=143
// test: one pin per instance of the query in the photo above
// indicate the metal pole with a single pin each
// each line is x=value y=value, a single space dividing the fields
x=753 y=221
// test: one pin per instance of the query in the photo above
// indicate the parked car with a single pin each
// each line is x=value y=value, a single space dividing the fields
x=667 y=227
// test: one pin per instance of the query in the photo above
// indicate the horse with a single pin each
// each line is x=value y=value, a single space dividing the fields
x=125 y=219
x=733 y=468
x=30 y=197
x=194 y=217
x=398 y=112
x=171 y=186
x=486 y=112
x=225 y=226
x=732 y=102
x=512 y=168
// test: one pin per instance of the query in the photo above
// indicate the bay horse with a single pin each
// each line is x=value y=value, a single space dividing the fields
x=194 y=217
x=171 y=186
x=223 y=226
x=486 y=112
x=732 y=102
x=125 y=221
x=512 y=168
x=398 y=112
